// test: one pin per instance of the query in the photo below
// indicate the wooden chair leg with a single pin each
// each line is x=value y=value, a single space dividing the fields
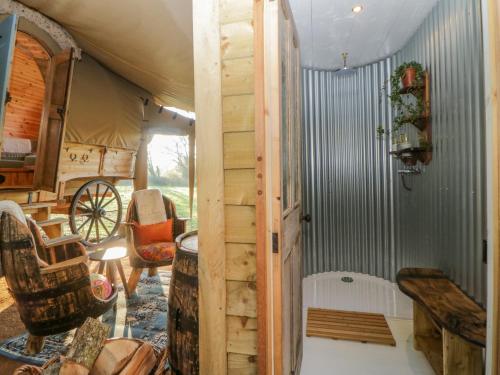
x=134 y=279
x=153 y=272
x=101 y=267
x=34 y=344
x=119 y=267
x=111 y=272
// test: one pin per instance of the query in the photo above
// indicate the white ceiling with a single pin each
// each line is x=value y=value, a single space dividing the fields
x=329 y=27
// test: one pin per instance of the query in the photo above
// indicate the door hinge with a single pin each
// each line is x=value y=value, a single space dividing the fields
x=275 y=243
x=485 y=251
x=8 y=98
x=60 y=112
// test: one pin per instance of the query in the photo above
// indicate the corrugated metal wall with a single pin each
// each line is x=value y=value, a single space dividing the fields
x=347 y=173
x=363 y=219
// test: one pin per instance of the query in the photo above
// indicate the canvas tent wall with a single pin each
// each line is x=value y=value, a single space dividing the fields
x=150 y=42
x=105 y=109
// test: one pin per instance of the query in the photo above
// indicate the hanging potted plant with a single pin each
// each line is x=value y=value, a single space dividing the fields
x=411 y=74
x=406 y=110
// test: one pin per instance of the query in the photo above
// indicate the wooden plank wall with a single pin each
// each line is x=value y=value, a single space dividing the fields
x=27 y=89
x=238 y=126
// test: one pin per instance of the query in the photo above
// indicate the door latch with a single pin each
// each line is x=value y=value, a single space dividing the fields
x=307 y=218
x=275 y=243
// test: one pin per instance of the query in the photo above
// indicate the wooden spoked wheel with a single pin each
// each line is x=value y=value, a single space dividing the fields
x=95 y=212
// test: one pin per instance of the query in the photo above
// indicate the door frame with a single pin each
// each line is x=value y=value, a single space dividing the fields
x=263 y=169
x=491 y=45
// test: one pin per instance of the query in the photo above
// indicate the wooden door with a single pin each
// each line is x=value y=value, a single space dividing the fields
x=50 y=140
x=8 y=28
x=287 y=209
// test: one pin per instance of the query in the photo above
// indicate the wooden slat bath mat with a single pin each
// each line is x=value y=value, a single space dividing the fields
x=349 y=325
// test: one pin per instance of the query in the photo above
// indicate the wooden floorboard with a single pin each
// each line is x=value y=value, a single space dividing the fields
x=349 y=325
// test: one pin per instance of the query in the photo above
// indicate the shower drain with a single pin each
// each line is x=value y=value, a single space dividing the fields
x=347 y=279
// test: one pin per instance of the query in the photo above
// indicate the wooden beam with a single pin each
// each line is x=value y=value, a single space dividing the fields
x=491 y=18
x=263 y=236
x=210 y=172
x=141 y=165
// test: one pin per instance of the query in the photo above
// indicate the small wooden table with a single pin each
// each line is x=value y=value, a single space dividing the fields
x=111 y=259
x=449 y=327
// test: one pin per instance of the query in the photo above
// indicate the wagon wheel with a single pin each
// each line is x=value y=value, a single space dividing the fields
x=95 y=212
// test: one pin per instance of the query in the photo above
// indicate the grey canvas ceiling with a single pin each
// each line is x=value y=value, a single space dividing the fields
x=147 y=42
x=329 y=27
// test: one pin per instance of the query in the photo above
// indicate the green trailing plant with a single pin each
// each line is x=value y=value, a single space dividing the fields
x=407 y=109
x=380 y=131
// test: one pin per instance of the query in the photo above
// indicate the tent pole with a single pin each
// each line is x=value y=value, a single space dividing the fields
x=141 y=165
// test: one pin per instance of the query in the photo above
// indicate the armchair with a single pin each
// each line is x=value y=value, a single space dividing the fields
x=137 y=261
x=51 y=297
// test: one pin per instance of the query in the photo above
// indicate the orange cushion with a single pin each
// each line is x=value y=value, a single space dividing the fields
x=157 y=251
x=152 y=233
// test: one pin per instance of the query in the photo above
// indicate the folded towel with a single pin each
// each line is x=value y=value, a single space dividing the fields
x=17 y=145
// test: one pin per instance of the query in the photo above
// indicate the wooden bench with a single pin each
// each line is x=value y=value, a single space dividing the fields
x=449 y=327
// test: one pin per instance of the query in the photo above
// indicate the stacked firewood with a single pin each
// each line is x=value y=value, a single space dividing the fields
x=91 y=353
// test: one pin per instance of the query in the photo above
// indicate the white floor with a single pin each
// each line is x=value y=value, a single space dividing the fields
x=367 y=294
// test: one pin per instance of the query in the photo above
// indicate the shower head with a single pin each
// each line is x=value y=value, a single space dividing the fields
x=345 y=70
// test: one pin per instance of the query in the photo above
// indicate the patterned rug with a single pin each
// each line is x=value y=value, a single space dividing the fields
x=143 y=316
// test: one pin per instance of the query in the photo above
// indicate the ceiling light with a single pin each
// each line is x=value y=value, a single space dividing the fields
x=357 y=8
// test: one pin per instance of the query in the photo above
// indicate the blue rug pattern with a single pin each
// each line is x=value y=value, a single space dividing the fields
x=143 y=316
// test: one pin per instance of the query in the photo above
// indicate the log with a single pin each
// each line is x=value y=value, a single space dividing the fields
x=114 y=356
x=28 y=370
x=163 y=367
x=85 y=348
x=143 y=361
x=53 y=369
x=72 y=368
x=447 y=305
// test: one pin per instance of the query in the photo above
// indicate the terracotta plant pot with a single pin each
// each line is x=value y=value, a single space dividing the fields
x=410 y=77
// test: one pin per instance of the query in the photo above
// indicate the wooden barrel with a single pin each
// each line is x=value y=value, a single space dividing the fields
x=183 y=307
